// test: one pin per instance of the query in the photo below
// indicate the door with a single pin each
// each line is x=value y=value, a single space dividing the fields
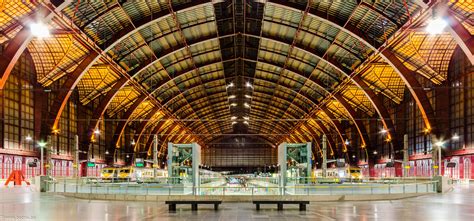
x=467 y=169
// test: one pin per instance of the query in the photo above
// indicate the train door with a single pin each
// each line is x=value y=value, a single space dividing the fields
x=467 y=169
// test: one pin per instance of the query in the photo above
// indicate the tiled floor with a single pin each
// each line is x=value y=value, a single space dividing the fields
x=18 y=204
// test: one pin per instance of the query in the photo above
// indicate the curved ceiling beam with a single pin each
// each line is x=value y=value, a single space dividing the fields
x=19 y=43
x=356 y=33
x=324 y=130
x=263 y=138
x=121 y=125
x=145 y=24
x=155 y=130
x=67 y=87
x=416 y=89
x=355 y=117
x=461 y=35
x=139 y=130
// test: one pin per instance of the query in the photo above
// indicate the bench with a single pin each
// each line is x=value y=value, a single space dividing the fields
x=194 y=203
x=280 y=203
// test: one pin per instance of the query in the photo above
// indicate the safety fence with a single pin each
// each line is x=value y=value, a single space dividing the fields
x=225 y=189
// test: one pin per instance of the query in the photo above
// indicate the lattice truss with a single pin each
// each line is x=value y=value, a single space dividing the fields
x=303 y=55
x=98 y=80
x=463 y=10
x=11 y=12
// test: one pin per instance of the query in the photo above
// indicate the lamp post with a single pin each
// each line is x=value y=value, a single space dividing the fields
x=439 y=145
x=42 y=145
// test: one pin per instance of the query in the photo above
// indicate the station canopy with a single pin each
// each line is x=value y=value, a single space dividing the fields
x=197 y=70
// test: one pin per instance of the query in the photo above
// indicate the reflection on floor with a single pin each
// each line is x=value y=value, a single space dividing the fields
x=24 y=204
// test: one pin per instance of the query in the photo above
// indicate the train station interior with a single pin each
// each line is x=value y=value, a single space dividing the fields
x=261 y=109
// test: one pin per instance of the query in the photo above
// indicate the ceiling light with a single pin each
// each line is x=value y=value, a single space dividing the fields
x=247 y=105
x=248 y=84
x=39 y=30
x=246 y=122
x=246 y=118
x=230 y=85
x=106 y=152
x=233 y=118
x=353 y=156
x=42 y=144
x=347 y=142
x=133 y=142
x=231 y=96
x=97 y=131
x=248 y=96
x=383 y=131
x=436 y=26
x=375 y=152
x=233 y=104
x=439 y=143
x=28 y=138
x=455 y=137
x=128 y=156
x=233 y=122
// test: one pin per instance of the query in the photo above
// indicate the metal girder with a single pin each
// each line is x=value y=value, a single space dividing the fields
x=147 y=20
x=143 y=124
x=381 y=13
x=379 y=107
x=416 y=89
x=67 y=88
x=18 y=44
x=462 y=36
x=304 y=135
x=332 y=144
x=101 y=108
x=165 y=140
x=356 y=118
x=122 y=123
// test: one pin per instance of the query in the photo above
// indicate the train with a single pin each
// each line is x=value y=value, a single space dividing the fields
x=338 y=175
x=133 y=174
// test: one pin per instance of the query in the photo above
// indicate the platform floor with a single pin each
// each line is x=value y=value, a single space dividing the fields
x=22 y=204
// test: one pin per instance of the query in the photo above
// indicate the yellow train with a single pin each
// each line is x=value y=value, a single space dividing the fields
x=132 y=174
x=338 y=175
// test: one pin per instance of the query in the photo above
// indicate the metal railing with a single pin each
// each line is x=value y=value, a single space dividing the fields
x=223 y=189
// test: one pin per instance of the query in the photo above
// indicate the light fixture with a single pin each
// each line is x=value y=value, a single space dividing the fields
x=248 y=84
x=247 y=105
x=439 y=143
x=55 y=131
x=233 y=117
x=42 y=144
x=426 y=130
x=375 y=152
x=436 y=26
x=246 y=122
x=246 y=118
x=128 y=156
x=39 y=30
x=353 y=156
x=233 y=104
x=229 y=85
x=133 y=142
x=248 y=96
x=347 y=142
x=28 y=138
x=231 y=96
x=106 y=152
x=234 y=122
x=383 y=131
x=97 y=131
x=455 y=137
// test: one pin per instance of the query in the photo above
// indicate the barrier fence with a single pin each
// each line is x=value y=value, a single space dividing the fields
x=252 y=187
